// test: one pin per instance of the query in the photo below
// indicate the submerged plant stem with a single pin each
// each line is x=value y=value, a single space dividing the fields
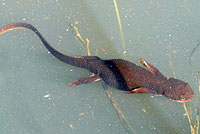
x=120 y=24
x=194 y=128
x=170 y=61
x=193 y=50
x=85 y=42
x=78 y=35
x=129 y=129
x=198 y=110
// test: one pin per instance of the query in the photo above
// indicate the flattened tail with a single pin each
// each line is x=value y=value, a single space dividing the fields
x=78 y=62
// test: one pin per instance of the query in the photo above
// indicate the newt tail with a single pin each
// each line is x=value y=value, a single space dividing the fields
x=67 y=59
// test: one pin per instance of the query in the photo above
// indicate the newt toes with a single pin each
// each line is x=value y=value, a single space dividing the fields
x=118 y=73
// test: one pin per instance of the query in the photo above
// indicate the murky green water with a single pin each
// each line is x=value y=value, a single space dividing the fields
x=34 y=94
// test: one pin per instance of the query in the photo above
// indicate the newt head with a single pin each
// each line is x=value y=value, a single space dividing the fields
x=179 y=91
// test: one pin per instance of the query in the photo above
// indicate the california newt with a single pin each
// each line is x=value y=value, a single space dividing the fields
x=118 y=73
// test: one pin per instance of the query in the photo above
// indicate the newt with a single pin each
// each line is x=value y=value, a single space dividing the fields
x=118 y=73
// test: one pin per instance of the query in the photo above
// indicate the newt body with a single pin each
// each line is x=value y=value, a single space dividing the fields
x=118 y=73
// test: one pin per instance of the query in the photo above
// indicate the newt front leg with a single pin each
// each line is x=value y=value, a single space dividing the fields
x=152 y=68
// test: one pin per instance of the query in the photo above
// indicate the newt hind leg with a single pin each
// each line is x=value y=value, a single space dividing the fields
x=85 y=80
x=152 y=68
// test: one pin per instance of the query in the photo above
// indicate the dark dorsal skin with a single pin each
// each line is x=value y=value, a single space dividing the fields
x=118 y=73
